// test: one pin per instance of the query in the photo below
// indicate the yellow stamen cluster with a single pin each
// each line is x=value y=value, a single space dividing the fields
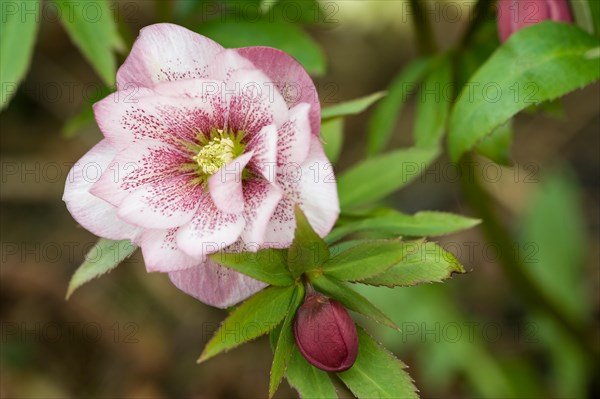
x=218 y=152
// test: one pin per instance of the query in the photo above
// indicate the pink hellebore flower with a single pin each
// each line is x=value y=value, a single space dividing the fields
x=202 y=151
x=517 y=14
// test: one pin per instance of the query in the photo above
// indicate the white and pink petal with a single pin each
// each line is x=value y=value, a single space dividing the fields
x=225 y=185
x=91 y=212
x=161 y=253
x=215 y=285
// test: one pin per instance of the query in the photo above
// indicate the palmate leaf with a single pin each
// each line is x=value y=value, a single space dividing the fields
x=351 y=107
x=423 y=262
x=253 y=318
x=351 y=299
x=102 y=258
x=309 y=381
x=364 y=260
x=539 y=63
x=308 y=250
x=284 y=345
x=267 y=265
x=377 y=373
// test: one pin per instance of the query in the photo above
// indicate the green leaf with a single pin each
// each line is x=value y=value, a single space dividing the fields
x=377 y=373
x=433 y=106
x=79 y=121
x=386 y=113
x=332 y=136
x=351 y=299
x=285 y=342
x=374 y=178
x=583 y=15
x=17 y=38
x=538 y=63
x=309 y=381
x=496 y=146
x=553 y=244
x=308 y=251
x=364 y=260
x=424 y=223
x=279 y=34
x=104 y=256
x=253 y=318
x=424 y=262
x=268 y=265
x=351 y=107
x=91 y=27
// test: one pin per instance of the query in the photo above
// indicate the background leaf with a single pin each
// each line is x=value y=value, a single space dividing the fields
x=351 y=107
x=102 y=258
x=377 y=373
x=279 y=34
x=386 y=113
x=496 y=146
x=91 y=26
x=423 y=262
x=433 y=105
x=253 y=318
x=374 y=178
x=309 y=381
x=332 y=134
x=17 y=38
x=538 y=63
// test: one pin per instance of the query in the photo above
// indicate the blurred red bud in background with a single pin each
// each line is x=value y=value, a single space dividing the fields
x=516 y=14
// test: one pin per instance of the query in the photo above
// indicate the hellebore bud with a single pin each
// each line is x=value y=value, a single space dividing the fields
x=325 y=333
x=517 y=14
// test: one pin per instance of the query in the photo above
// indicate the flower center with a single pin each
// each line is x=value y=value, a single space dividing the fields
x=218 y=152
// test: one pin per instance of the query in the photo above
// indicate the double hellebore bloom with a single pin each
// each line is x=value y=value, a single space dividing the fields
x=517 y=14
x=325 y=333
x=204 y=148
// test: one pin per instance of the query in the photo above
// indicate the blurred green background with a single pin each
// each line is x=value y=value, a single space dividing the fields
x=133 y=335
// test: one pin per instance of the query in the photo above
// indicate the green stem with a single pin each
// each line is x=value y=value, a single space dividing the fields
x=514 y=269
x=425 y=39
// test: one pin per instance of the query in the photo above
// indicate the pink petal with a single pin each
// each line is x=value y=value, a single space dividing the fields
x=209 y=230
x=93 y=213
x=225 y=186
x=226 y=63
x=251 y=103
x=166 y=52
x=313 y=187
x=215 y=285
x=261 y=199
x=167 y=203
x=294 y=137
x=161 y=253
x=264 y=145
x=169 y=114
x=144 y=162
x=290 y=78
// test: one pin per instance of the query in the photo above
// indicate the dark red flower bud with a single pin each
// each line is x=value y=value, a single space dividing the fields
x=325 y=333
x=517 y=14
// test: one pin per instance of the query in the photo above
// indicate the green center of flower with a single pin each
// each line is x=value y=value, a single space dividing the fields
x=218 y=152
x=211 y=152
